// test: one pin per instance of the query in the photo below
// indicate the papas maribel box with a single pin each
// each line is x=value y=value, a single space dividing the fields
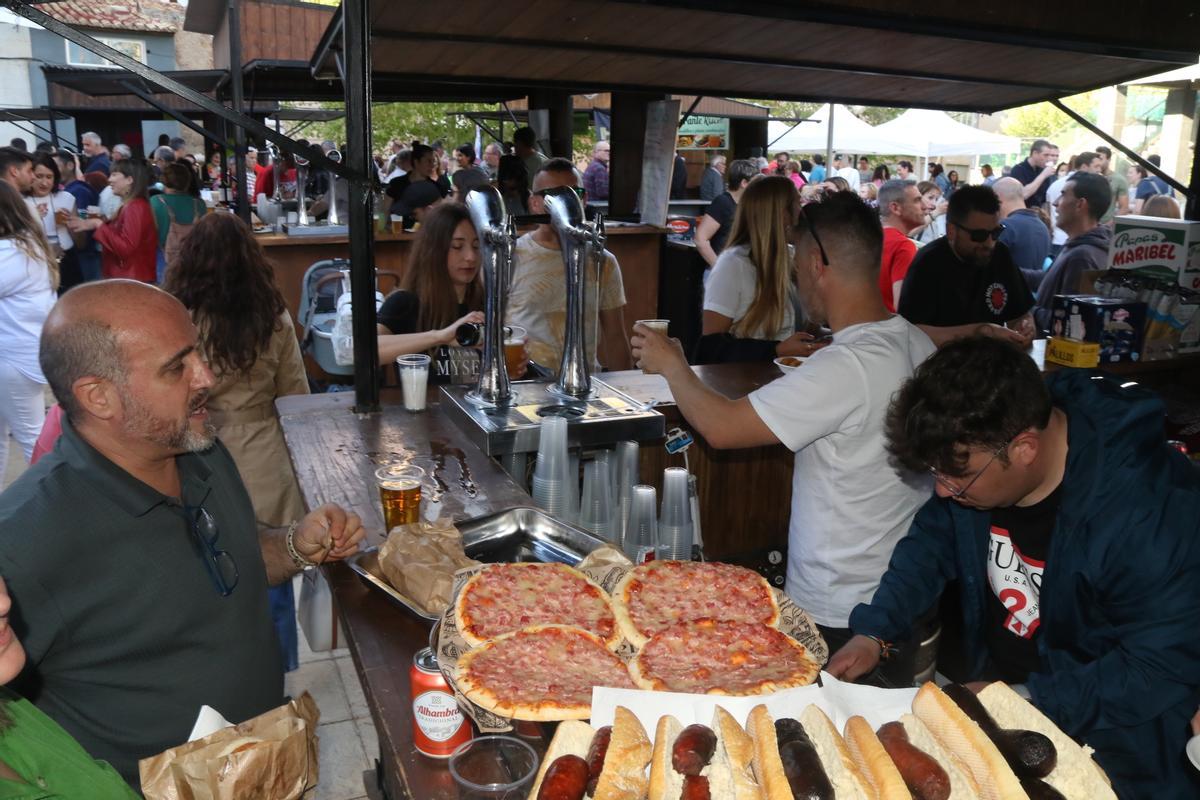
x=1167 y=249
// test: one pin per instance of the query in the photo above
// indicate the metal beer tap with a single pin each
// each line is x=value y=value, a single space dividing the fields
x=301 y=190
x=581 y=244
x=497 y=242
x=332 y=218
x=274 y=154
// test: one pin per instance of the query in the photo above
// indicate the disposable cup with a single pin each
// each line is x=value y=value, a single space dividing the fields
x=596 y=507
x=400 y=493
x=656 y=325
x=414 y=379
x=627 y=478
x=675 y=518
x=493 y=768
x=641 y=533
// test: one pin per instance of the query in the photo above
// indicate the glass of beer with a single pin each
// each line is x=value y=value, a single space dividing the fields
x=656 y=325
x=514 y=349
x=400 y=493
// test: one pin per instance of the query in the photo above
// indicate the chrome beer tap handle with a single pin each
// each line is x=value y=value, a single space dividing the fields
x=302 y=190
x=332 y=218
x=496 y=236
x=575 y=237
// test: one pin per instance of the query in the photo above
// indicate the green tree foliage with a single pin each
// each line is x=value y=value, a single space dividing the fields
x=876 y=115
x=1042 y=120
x=407 y=122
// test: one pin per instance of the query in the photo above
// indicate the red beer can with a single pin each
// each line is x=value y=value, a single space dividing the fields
x=438 y=724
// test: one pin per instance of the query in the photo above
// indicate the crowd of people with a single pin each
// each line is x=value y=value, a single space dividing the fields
x=928 y=447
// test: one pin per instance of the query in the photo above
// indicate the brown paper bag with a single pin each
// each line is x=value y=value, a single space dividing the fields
x=270 y=757
x=420 y=560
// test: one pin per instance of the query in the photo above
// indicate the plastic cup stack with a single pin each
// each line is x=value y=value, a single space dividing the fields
x=641 y=534
x=550 y=485
x=572 y=514
x=627 y=478
x=675 y=519
x=596 y=511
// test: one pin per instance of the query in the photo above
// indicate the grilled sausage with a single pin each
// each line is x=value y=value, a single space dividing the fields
x=596 y=755
x=565 y=780
x=922 y=774
x=693 y=749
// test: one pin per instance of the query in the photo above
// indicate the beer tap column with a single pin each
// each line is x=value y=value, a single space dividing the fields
x=576 y=238
x=497 y=242
x=302 y=189
x=331 y=197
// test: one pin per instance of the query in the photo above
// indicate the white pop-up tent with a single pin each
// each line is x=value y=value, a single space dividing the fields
x=850 y=134
x=930 y=134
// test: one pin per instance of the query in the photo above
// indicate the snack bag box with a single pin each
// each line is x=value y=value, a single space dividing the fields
x=1118 y=326
x=1167 y=249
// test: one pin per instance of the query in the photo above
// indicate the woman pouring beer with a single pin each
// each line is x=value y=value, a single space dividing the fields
x=441 y=293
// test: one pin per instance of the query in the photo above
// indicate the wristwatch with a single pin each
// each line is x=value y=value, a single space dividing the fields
x=302 y=563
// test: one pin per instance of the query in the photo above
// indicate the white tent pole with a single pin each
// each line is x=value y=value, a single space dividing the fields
x=829 y=146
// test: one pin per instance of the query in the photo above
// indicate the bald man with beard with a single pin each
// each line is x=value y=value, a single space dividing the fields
x=1025 y=233
x=137 y=571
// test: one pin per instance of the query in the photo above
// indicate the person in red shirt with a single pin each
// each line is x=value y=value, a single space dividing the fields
x=129 y=241
x=900 y=211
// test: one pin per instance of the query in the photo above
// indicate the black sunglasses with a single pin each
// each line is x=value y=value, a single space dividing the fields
x=981 y=234
x=812 y=231
x=222 y=569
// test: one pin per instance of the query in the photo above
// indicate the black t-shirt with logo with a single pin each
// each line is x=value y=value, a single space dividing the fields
x=941 y=289
x=450 y=363
x=722 y=209
x=1019 y=543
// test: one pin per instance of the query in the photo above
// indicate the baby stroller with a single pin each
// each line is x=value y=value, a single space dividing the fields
x=324 y=282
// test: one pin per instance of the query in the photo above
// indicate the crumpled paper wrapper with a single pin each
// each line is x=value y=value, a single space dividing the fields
x=272 y=756
x=420 y=562
x=606 y=566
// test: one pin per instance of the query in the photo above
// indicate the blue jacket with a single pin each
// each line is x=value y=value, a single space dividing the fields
x=1120 y=595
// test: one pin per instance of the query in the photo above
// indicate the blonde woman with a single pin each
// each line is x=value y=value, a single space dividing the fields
x=749 y=310
x=28 y=281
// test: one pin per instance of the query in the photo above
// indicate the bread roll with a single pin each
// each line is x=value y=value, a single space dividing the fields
x=962 y=785
x=624 y=773
x=873 y=762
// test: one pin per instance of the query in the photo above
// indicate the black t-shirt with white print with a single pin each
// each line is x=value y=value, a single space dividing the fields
x=1019 y=543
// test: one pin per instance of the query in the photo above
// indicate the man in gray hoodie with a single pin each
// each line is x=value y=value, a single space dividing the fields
x=1084 y=200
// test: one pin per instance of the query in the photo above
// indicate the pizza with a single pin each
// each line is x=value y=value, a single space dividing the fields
x=657 y=594
x=541 y=673
x=502 y=598
x=722 y=657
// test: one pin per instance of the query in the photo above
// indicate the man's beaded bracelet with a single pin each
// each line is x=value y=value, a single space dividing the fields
x=300 y=561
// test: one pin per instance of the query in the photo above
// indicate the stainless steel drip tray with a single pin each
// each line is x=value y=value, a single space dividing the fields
x=608 y=416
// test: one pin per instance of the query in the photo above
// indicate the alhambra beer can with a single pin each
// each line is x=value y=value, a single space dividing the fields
x=438 y=724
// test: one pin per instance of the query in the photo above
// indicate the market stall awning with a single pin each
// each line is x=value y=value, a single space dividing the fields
x=935 y=133
x=850 y=134
x=937 y=54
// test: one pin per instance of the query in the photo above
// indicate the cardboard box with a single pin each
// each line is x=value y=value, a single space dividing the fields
x=1071 y=353
x=1167 y=249
x=1118 y=326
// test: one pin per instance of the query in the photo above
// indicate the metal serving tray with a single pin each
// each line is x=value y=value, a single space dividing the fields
x=516 y=534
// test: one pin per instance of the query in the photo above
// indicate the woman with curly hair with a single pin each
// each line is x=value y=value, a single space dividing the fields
x=225 y=281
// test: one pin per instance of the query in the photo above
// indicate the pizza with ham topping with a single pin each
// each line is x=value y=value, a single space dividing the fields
x=658 y=594
x=722 y=657
x=502 y=598
x=541 y=673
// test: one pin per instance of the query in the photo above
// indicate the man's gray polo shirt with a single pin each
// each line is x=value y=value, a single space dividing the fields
x=126 y=633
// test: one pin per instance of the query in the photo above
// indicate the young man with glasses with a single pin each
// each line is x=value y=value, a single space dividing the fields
x=849 y=504
x=1073 y=532
x=138 y=572
x=966 y=278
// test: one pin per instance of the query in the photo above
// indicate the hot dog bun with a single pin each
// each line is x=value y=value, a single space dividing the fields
x=840 y=767
x=962 y=785
x=624 y=773
x=883 y=779
x=967 y=742
x=728 y=771
x=1076 y=775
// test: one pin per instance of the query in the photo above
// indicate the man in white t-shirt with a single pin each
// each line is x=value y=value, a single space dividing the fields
x=844 y=169
x=537 y=299
x=849 y=504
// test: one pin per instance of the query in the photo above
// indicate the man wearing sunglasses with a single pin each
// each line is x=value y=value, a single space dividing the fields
x=138 y=572
x=1073 y=532
x=849 y=504
x=966 y=279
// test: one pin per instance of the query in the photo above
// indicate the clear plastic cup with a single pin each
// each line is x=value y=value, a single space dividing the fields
x=641 y=533
x=515 y=338
x=656 y=325
x=414 y=379
x=596 y=508
x=550 y=489
x=493 y=768
x=675 y=518
x=400 y=493
x=627 y=478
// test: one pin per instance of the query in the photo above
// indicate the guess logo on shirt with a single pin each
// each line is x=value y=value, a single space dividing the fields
x=1017 y=581
x=996 y=298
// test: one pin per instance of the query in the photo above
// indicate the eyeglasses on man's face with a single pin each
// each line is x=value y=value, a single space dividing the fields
x=949 y=484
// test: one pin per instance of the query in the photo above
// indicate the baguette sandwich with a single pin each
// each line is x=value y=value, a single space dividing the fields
x=605 y=764
x=804 y=758
x=700 y=762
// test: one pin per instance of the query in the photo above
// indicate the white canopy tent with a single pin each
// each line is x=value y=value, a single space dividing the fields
x=930 y=134
x=850 y=134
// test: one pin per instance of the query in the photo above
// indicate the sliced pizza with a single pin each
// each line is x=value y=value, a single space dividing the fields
x=722 y=657
x=655 y=595
x=541 y=673
x=502 y=598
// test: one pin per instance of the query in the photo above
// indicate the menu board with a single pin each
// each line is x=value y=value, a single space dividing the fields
x=703 y=133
